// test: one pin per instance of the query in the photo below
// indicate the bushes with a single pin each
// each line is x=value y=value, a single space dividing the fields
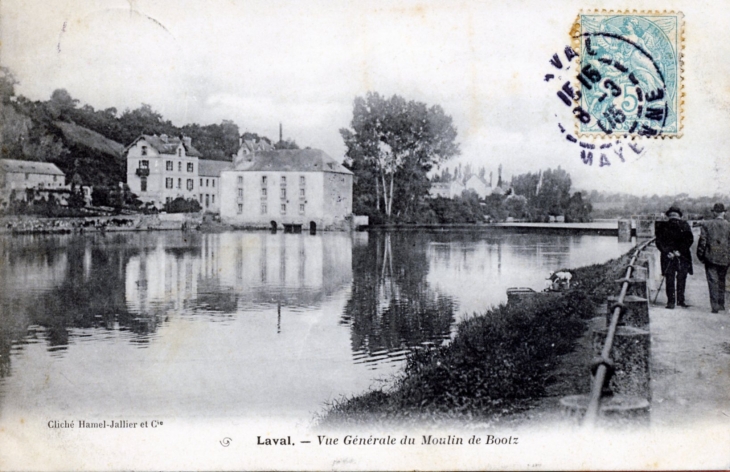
x=180 y=205
x=495 y=361
x=496 y=364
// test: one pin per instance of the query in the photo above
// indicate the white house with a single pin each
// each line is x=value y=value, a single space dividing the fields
x=209 y=173
x=162 y=168
x=479 y=185
x=303 y=187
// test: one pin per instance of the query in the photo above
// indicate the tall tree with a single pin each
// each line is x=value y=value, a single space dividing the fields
x=7 y=84
x=396 y=142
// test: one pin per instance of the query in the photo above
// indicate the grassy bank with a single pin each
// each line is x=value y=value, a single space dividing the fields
x=499 y=363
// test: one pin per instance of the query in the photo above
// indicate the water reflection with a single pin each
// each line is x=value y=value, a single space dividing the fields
x=191 y=323
x=392 y=307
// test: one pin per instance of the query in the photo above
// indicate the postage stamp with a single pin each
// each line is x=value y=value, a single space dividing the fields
x=629 y=77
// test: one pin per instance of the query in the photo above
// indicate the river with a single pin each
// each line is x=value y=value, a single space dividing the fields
x=243 y=324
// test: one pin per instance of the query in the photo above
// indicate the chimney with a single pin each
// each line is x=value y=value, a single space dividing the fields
x=281 y=133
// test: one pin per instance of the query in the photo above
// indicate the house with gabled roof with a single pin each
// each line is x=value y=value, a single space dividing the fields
x=162 y=168
x=479 y=185
x=297 y=187
x=17 y=176
x=450 y=189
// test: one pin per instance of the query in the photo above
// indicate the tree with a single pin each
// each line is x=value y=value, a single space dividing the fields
x=515 y=206
x=392 y=146
x=61 y=104
x=578 y=211
x=7 y=84
x=286 y=144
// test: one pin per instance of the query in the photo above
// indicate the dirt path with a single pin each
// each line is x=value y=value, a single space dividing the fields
x=690 y=359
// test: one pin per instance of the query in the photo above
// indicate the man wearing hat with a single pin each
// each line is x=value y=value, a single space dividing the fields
x=713 y=249
x=674 y=239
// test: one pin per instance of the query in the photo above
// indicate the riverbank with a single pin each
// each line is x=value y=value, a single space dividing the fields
x=512 y=359
x=39 y=225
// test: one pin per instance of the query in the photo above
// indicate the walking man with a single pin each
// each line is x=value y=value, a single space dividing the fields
x=713 y=249
x=674 y=240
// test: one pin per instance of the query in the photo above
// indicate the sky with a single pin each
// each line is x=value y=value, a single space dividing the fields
x=302 y=63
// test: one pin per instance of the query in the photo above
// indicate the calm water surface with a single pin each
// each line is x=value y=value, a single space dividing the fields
x=243 y=324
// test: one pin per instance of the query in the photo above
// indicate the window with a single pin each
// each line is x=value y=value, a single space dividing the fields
x=301 y=181
x=263 y=192
x=283 y=193
x=168 y=166
x=283 y=208
x=168 y=200
x=179 y=166
x=144 y=164
x=201 y=198
x=55 y=178
x=201 y=182
x=240 y=193
x=179 y=183
x=190 y=184
x=240 y=180
x=264 y=210
x=283 y=180
x=213 y=182
x=143 y=184
x=207 y=181
x=144 y=150
x=301 y=208
x=240 y=208
x=179 y=152
x=263 y=180
x=212 y=198
x=168 y=182
x=301 y=192
x=190 y=167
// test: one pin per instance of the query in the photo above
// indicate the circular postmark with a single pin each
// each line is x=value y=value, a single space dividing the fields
x=622 y=88
x=627 y=82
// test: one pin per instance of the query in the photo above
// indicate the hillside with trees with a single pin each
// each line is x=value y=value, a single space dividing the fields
x=87 y=144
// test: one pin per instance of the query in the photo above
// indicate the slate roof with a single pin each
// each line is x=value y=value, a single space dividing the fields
x=291 y=160
x=166 y=147
x=210 y=168
x=12 y=166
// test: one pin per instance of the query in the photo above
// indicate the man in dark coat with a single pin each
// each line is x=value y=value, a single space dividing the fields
x=674 y=239
x=713 y=249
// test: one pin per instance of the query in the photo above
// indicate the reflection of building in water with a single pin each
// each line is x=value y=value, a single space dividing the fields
x=162 y=278
x=229 y=271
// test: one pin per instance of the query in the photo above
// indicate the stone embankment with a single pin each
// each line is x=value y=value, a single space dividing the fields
x=38 y=225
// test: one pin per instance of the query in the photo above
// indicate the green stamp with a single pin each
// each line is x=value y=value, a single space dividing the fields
x=629 y=74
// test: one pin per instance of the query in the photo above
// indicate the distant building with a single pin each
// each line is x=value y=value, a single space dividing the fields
x=161 y=169
x=21 y=175
x=446 y=189
x=287 y=187
x=479 y=185
x=209 y=173
x=250 y=146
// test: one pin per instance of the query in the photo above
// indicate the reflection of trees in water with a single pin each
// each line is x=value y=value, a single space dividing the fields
x=392 y=307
